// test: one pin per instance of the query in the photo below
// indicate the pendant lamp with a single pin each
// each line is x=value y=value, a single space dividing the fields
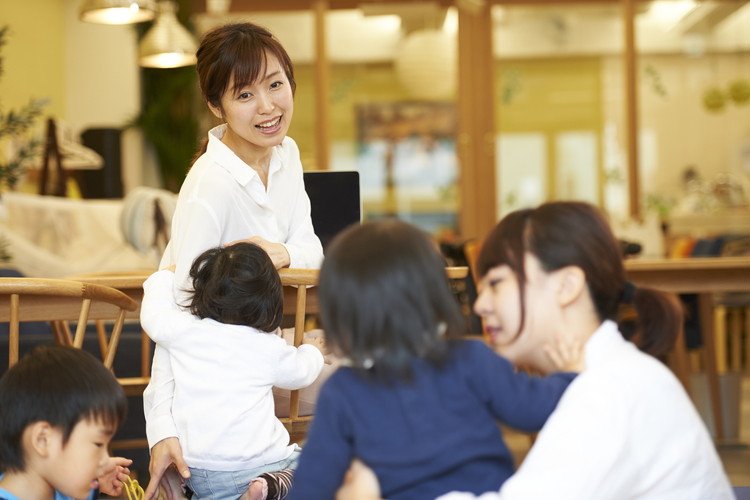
x=118 y=11
x=168 y=44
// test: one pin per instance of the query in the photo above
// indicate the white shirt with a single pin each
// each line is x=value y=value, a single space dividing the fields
x=223 y=407
x=223 y=200
x=624 y=429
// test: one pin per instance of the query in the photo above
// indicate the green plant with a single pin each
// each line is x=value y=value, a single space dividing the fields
x=14 y=125
x=168 y=120
x=655 y=81
x=659 y=204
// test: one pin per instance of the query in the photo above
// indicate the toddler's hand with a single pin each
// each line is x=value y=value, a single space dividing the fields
x=566 y=353
x=318 y=342
x=114 y=474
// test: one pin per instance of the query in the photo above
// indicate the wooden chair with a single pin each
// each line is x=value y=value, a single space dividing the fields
x=131 y=284
x=56 y=300
x=296 y=283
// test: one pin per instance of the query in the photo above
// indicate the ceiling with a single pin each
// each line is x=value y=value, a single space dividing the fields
x=374 y=31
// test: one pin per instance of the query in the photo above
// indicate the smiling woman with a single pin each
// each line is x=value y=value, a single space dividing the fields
x=246 y=185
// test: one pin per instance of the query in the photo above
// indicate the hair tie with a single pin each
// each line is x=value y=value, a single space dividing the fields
x=628 y=293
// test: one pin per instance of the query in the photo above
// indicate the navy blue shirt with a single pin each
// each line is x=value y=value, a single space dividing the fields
x=436 y=434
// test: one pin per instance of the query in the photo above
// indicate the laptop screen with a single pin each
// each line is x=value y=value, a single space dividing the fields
x=334 y=201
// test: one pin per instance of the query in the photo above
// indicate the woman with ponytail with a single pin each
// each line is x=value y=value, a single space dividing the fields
x=552 y=286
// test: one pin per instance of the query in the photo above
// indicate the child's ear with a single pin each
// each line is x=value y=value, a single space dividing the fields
x=571 y=284
x=39 y=436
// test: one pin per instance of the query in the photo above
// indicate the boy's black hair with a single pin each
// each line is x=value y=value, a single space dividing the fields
x=239 y=285
x=385 y=299
x=56 y=384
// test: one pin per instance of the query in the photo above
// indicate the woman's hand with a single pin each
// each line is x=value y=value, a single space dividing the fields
x=114 y=475
x=164 y=454
x=278 y=252
x=360 y=483
x=566 y=353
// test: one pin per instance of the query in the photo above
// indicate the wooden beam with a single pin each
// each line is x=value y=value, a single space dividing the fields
x=322 y=88
x=631 y=108
x=199 y=6
x=476 y=144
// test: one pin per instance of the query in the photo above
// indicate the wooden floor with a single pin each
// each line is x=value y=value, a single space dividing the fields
x=735 y=454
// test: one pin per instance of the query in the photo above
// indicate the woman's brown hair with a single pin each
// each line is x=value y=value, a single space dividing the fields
x=567 y=233
x=236 y=52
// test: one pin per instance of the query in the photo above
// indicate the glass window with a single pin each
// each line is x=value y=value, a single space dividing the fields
x=393 y=115
x=559 y=104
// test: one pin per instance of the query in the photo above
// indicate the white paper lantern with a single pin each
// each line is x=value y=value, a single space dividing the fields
x=426 y=64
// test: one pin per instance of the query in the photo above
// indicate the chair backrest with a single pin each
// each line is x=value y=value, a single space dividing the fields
x=57 y=300
x=296 y=283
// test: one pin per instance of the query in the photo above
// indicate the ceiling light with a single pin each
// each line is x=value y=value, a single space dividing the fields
x=168 y=44
x=118 y=11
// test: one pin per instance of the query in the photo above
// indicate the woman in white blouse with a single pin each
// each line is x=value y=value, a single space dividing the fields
x=246 y=185
x=552 y=285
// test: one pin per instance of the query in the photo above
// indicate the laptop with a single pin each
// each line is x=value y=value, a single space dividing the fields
x=334 y=201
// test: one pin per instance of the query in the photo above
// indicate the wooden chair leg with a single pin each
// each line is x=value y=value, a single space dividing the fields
x=682 y=361
x=67 y=337
x=735 y=344
x=705 y=306
x=114 y=340
x=720 y=331
x=13 y=340
x=57 y=332
x=101 y=335
x=145 y=354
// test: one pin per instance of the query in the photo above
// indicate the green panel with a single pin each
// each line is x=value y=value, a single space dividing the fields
x=548 y=95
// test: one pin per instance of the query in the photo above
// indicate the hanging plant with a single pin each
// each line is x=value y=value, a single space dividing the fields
x=654 y=78
x=714 y=100
x=511 y=84
x=739 y=91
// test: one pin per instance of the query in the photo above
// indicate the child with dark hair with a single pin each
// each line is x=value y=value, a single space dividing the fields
x=59 y=408
x=415 y=403
x=226 y=355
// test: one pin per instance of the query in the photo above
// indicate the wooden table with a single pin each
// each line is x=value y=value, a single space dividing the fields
x=132 y=284
x=704 y=277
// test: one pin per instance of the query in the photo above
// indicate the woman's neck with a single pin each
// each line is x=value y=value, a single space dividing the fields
x=256 y=157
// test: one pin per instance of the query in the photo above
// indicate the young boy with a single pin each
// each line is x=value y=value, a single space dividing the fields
x=59 y=408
